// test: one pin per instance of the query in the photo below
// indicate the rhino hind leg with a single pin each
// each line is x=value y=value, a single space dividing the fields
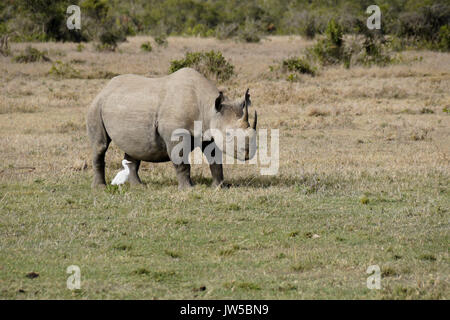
x=134 y=168
x=98 y=163
x=100 y=141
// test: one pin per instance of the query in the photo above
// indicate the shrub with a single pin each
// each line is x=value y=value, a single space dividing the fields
x=63 y=70
x=210 y=64
x=367 y=50
x=424 y=23
x=161 y=40
x=296 y=64
x=330 y=49
x=226 y=31
x=109 y=39
x=80 y=47
x=31 y=55
x=444 y=38
x=200 y=30
x=249 y=32
x=146 y=46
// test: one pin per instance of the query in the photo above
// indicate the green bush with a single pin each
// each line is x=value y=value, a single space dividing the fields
x=63 y=70
x=444 y=38
x=210 y=64
x=161 y=40
x=146 y=46
x=31 y=55
x=110 y=39
x=200 y=30
x=423 y=23
x=330 y=49
x=226 y=31
x=299 y=65
x=369 y=49
x=80 y=47
x=249 y=32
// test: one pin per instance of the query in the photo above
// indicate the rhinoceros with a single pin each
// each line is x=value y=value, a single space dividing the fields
x=139 y=115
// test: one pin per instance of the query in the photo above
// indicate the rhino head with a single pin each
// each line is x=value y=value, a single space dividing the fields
x=230 y=121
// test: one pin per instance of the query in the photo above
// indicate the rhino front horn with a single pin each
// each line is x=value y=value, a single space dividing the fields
x=245 y=116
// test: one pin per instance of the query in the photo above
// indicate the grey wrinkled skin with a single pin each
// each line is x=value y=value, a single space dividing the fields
x=139 y=114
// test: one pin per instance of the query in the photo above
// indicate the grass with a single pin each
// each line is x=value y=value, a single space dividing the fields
x=132 y=245
x=361 y=182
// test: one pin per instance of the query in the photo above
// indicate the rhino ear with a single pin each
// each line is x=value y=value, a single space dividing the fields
x=219 y=100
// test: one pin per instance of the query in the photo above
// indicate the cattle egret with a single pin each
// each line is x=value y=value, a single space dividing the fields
x=122 y=176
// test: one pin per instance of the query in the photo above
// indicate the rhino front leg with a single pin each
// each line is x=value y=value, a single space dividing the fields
x=183 y=175
x=214 y=157
x=217 y=174
x=134 y=168
x=180 y=160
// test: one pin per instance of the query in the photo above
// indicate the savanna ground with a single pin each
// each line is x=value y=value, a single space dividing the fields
x=363 y=180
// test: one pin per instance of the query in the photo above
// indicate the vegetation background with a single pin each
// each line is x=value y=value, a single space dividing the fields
x=421 y=21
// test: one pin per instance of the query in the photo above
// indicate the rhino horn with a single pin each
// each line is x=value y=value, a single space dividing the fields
x=245 y=116
x=247 y=102
x=255 y=121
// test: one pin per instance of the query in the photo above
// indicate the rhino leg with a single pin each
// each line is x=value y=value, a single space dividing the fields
x=217 y=174
x=182 y=169
x=133 y=178
x=183 y=175
x=98 y=163
x=99 y=141
x=215 y=164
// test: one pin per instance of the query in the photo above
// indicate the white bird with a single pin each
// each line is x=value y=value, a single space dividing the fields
x=122 y=176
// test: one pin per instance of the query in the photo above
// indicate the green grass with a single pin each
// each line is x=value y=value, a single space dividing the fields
x=251 y=241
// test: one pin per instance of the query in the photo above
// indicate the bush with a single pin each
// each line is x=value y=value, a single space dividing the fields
x=63 y=70
x=80 y=47
x=200 y=30
x=110 y=38
x=369 y=49
x=210 y=64
x=226 y=31
x=146 y=46
x=249 y=32
x=298 y=65
x=424 y=23
x=31 y=55
x=330 y=49
x=161 y=40
x=444 y=38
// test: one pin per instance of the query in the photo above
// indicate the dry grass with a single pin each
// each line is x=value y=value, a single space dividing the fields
x=342 y=133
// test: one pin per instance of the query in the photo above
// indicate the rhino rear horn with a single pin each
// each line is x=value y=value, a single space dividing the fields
x=219 y=101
